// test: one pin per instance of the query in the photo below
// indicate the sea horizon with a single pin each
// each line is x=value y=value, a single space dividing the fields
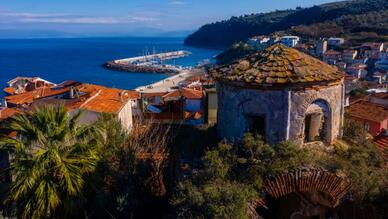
x=81 y=58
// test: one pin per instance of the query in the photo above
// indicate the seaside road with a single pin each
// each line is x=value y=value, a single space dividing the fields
x=170 y=83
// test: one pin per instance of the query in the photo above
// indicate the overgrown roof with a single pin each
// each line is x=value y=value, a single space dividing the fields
x=277 y=65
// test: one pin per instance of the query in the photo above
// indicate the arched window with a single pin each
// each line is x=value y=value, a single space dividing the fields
x=317 y=122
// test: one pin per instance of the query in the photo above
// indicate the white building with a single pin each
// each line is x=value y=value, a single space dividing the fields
x=335 y=41
x=290 y=41
x=23 y=84
x=358 y=70
x=259 y=42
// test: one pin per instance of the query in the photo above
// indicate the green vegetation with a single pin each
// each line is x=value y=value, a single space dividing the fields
x=357 y=28
x=235 y=52
x=359 y=92
x=51 y=161
x=362 y=19
x=232 y=176
x=65 y=170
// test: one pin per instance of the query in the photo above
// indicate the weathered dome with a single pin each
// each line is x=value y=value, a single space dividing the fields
x=278 y=65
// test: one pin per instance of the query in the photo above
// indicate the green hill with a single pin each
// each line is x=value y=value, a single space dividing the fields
x=224 y=33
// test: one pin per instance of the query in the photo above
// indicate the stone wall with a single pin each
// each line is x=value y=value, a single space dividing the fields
x=235 y=104
x=284 y=111
x=302 y=100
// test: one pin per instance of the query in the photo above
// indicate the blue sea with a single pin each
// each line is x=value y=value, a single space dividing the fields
x=80 y=59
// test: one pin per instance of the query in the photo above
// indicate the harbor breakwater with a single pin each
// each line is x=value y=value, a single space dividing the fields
x=148 y=63
x=157 y=69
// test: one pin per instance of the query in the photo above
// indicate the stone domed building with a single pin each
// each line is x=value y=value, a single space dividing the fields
x=282 y=94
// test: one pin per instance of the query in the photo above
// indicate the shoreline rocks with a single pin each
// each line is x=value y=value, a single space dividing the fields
x=136 y=68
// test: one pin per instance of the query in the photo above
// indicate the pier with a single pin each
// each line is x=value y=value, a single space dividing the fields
x=152 y=63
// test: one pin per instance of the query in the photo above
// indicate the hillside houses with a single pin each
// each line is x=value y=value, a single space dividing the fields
x=372 y=113
x=92 y=99
x=371 y=50
x=24 y=84
x=349 y=55
x=185 y=102
x=185 y=106
x=335 y=41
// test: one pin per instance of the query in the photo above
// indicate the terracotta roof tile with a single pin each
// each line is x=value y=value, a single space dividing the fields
x=380 y=95
x=6 y=112
x=174 y=95
x=368 y=111
x=9 y=90
x=187 y=93
x=192 y=93
x=30 y=96
x=156 y=94
x=103 y=99
x=93 y=97
x=277 y=65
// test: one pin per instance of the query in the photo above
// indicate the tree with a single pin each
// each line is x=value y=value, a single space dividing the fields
x=213 y=192
x=232 y=177
x=239 y=171
x=130 y=174
x=51 y=158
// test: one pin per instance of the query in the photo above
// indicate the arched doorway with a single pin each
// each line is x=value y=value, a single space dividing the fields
x=306 y=193
x=317 y=122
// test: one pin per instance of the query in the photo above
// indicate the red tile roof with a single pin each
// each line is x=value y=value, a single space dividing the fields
x=103 y=99
x=6 y=112
x=30 y=96
x=368 y=111
x=380 y=95
x=174 y=95
x=93 y=97
x=373 y=45
x=186 y=93
x=191 y=93
x=9 y=90
x=156 y=94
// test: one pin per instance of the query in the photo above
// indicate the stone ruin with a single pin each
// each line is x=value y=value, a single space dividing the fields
x=281 y=94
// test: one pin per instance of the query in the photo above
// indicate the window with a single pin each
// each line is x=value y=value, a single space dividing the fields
x=367 y=126
x=314 y=127
x=256 y=125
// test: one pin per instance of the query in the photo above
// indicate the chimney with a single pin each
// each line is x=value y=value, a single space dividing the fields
x=4 y=103
x=71 y=92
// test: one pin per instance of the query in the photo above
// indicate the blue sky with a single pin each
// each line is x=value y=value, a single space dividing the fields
x=125 y=16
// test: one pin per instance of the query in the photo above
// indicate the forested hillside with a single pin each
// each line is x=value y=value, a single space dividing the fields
x=358 y=16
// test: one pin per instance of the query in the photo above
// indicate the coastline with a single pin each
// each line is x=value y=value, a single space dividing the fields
x=152 y=63
x=111 y=65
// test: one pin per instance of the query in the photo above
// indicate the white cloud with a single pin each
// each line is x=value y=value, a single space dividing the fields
x=177 y=2
x=13 y=17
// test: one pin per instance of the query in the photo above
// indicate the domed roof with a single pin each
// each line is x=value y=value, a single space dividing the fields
x=277 y=65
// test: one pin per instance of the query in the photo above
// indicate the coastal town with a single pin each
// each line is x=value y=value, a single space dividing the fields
x=189 y=96
x=291 y=123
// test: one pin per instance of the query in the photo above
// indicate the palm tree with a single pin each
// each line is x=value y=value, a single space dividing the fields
x=50 y=160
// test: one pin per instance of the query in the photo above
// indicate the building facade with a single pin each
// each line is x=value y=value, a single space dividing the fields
x=290 y=41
